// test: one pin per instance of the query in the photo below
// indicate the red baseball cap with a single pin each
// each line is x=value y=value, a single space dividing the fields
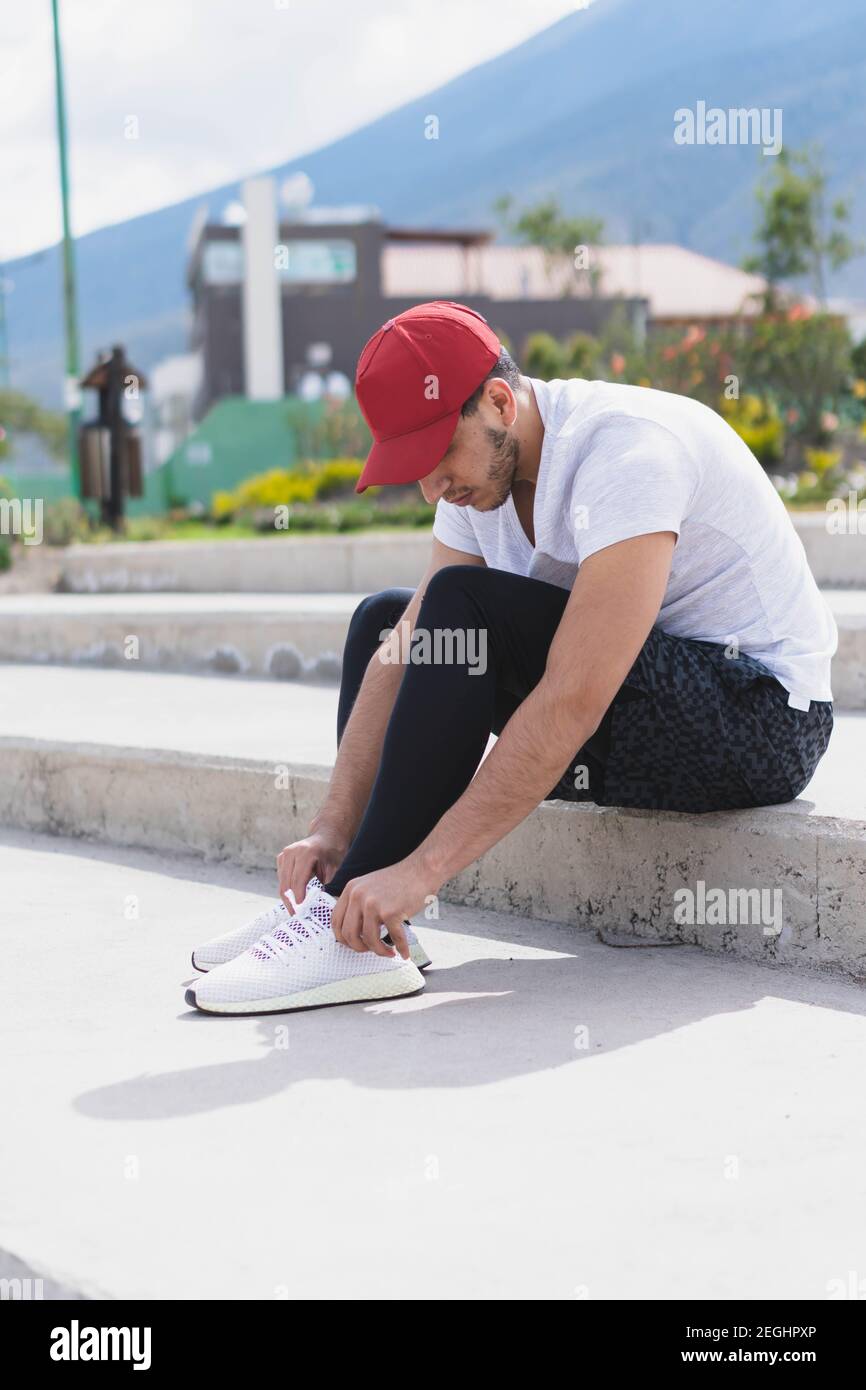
x=413 y=378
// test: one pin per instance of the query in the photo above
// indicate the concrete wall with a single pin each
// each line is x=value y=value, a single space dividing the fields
x=837 y=561
x=599 y=868
x=347 y=564
x=276 y=565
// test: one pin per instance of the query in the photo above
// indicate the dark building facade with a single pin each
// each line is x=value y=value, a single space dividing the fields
x=331 y=293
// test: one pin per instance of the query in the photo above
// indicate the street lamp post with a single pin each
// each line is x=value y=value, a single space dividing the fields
x=4 y=337
x=70 y=313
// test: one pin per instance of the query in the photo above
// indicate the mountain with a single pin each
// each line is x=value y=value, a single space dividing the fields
x=585 y=109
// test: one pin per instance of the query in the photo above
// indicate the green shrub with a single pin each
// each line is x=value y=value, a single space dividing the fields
x=146 y=528
x=283 y=487
x=543 y=357
x=65 y=521
x=758 y=424
x=355 y=515
x=336 y=477
x=581 y=355
x=334 y=430
x=823 y=461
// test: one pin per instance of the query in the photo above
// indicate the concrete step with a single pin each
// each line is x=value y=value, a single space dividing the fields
x=540 y=1074
x=285 y=636
x=357 y=563
x=837 y=558
x=175 y=763
x=272 y=564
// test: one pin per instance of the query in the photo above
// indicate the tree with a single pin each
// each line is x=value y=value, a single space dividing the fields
x=797 y=235
x=567 y=242
x=803 y=362
x=21 y=413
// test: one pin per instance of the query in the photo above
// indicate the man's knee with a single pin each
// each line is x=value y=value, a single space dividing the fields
x=447 y=585
x=376 y=614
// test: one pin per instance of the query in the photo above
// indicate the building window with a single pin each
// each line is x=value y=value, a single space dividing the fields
x=316 y=262
x=222 y=263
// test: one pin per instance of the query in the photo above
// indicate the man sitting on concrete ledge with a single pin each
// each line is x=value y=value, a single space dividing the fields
x=612 y=572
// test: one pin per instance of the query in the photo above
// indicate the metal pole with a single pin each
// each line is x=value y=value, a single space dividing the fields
x=70 y=315
x=117 y=428
x=4 y=337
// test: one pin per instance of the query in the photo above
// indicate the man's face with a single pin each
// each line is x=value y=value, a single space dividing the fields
x=480 y=464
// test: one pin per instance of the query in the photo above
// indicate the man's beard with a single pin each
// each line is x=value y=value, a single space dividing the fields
x=502 y=466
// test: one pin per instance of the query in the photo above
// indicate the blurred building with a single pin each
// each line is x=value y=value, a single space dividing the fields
x=280 y=306
x=273 y=304
x=679 y=286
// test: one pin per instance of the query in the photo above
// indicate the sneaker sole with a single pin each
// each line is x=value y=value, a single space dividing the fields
x=417 y=955
x=360 y=989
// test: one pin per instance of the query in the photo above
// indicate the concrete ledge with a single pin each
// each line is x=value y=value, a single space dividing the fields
x=837 y=561
x=595 y=867
x=279 y=565
x=287 y=637
x=848 y=676
x=352 y=563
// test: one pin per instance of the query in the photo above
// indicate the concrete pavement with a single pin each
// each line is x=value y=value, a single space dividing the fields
x=287 y=724
x=552 y=1118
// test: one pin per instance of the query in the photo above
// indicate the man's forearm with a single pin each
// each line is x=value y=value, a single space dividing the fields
x=360 y=750
x=532 y=753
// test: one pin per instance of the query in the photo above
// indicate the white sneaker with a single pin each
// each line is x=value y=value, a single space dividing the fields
x=300 y=965
x=233 y=943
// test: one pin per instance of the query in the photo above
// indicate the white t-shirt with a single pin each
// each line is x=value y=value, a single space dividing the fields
x=621 y=461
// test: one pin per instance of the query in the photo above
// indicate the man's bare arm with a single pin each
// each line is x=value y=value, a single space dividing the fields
x=336 y=821
x=613 y=605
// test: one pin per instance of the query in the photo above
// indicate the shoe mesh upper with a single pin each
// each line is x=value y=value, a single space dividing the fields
x=274 y=921
x=300 y=954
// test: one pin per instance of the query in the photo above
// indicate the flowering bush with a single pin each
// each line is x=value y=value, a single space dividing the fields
x=281 y=487
x=802 y=360
x=758 y=423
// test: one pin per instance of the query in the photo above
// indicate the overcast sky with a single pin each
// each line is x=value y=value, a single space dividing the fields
x=219 y=88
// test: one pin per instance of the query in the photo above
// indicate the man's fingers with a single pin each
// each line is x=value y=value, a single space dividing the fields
x=346 y=921
x=338 y=915
x=302 y=872
x=294 y=875
x=397 y=932
x=357 y=923
x=372 y=932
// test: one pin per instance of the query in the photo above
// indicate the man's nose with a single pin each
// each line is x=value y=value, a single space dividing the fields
x=432 y=488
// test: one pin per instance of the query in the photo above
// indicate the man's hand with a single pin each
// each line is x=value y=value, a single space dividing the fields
x=383 y=898
x=320 y=853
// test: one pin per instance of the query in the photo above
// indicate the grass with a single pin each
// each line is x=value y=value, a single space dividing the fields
x=335 y=518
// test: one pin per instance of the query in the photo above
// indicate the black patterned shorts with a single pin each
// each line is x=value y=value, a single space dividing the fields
x=692 y=729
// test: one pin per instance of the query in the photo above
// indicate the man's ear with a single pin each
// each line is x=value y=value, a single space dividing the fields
x=502 y=399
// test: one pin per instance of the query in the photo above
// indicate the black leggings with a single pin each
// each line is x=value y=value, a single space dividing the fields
x=445 y=711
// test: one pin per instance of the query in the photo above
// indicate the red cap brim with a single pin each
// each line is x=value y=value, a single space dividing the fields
x=408 y=457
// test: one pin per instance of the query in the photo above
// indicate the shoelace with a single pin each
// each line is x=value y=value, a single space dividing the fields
x=311 y=919
x=272 y=917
